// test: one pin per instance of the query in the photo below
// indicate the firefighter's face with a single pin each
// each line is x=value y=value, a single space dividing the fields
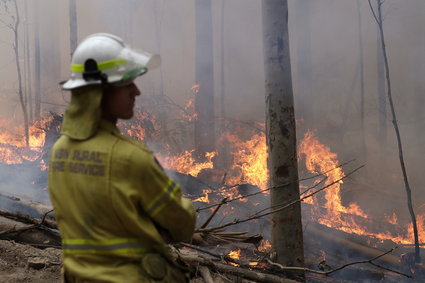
x=118 y=102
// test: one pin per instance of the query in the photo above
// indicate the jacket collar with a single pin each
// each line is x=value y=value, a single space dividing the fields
x=110 y=127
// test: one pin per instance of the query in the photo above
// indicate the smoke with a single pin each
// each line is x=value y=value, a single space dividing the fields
x=327 y=40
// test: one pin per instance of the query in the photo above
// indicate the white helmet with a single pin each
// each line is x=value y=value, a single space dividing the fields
x=104 y=58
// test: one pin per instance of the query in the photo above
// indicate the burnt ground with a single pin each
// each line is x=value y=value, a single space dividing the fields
x=23 y=263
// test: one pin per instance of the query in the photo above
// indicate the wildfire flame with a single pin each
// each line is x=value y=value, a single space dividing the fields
x=13 y=149
x=186 y=163
x=249 y=160
x=204 y=198
x=320 y=160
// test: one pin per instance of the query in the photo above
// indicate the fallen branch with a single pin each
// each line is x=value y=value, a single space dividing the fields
x=284 y=206
x=38 y=235
x=268 y=189
x=370 y=261
x=196 y=260
x=206 y=274
x=214 y=213
x=30 y=220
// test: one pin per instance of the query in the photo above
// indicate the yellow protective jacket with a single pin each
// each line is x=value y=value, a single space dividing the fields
x=109 y=197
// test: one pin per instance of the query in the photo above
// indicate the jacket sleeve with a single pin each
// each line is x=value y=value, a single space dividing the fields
x=164 y=203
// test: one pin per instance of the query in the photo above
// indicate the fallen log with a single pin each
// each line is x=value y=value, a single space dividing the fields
x=328 y=238
x=206 y=274
x=23 y=229
x=196 y=260
x=17 y=205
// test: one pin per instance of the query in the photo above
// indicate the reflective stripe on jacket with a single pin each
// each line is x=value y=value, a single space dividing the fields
x=109 y=196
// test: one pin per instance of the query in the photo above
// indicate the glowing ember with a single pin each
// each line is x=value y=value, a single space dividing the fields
x=236 y=254
x=205 y=197
x=265 y=246
x=195 y=88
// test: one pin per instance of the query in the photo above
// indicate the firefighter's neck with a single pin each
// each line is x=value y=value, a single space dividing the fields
x=109 y=118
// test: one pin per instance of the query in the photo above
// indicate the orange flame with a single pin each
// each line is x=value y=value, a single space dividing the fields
x=265 y=246
x=236 y=254
x=204 y=198
x=249 y=160
x=320 y=160
x=13 y=149
x=186 y=163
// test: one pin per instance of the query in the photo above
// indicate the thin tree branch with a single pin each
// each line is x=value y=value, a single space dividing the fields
x=268 y=189
x=284 y=206
x=370 y=261
x=214 y=213
x=373 y=12
x=398 y=135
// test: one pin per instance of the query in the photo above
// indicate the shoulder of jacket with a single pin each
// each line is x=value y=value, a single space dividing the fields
x=138 y=145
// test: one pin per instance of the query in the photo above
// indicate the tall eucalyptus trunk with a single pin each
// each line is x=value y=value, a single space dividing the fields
x=287 y=235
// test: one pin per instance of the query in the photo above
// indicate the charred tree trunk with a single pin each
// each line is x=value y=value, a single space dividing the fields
x=73 y=31
x=378 y=19
x=204 y=101
x=287 y=236
x=37 y=70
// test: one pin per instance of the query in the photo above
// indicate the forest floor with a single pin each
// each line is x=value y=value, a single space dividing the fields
x=23 y=263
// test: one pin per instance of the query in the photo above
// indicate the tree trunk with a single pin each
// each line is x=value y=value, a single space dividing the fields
x=163 y=117
x=37 y=70
x=73 y=31
x=27 y=71
x=382 y=99
x=222 y=77
x=362 y=87
x=304 y=79
x=19 y=72
x=287 y=236
x=204 y=101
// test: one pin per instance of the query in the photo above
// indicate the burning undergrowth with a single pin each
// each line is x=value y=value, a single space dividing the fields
x=233 y=178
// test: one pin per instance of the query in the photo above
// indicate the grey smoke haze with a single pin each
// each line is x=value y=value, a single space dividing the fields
x=326 y=79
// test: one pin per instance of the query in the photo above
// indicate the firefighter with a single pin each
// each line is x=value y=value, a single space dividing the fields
x=115 y=207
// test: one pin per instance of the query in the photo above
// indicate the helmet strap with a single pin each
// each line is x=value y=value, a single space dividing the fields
x=92 y=72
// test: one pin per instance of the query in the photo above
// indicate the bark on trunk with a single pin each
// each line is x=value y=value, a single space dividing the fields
x=287 y=236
